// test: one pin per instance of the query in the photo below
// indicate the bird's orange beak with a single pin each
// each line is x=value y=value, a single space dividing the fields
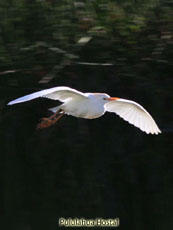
x=112 y=98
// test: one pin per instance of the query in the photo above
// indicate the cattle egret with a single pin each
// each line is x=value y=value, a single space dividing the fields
x=90 y=106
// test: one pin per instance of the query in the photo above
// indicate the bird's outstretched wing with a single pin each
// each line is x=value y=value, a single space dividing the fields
x=61 y=93
x=134 y=113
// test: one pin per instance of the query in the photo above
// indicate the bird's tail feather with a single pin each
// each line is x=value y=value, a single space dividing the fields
x=55 y=109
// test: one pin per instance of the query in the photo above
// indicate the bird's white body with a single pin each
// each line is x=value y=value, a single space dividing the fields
x=94 y=105
x=89 y=108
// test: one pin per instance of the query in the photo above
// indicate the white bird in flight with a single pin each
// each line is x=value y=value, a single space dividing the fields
x=90 y=106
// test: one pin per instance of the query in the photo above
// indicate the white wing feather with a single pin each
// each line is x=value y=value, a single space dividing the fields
x=134 y=113
x=57 y=93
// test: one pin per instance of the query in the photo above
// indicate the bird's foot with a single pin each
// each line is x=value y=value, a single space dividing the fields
x=46 y=122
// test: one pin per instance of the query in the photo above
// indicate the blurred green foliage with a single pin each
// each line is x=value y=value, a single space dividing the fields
x=63 y=23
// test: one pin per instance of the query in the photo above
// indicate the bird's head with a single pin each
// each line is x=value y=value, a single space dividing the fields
x=105 y=97
x=101 y=97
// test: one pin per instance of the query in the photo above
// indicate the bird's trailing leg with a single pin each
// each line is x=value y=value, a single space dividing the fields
x=46 y=122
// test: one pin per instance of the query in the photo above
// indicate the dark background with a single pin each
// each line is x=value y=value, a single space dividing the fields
x=103 y=167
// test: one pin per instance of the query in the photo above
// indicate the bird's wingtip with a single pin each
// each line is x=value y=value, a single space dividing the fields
x=16 y=101
x=157 y=132
x=13 y=102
